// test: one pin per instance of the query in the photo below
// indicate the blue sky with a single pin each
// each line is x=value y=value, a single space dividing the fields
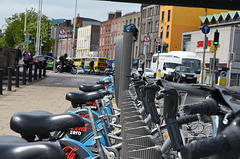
x=65 y=8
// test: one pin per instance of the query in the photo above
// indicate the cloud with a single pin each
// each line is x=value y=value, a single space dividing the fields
x=66 y=8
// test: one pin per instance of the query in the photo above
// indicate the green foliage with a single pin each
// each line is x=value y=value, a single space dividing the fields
x=15 y=30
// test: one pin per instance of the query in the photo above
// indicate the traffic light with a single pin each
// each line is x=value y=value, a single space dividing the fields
x=135 y=34
x=23 y=37
x=49 y=32
x=158 y=49
x=216 y=38
x=30 y=38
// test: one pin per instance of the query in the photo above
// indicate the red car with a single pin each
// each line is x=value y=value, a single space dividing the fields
x=48 y=59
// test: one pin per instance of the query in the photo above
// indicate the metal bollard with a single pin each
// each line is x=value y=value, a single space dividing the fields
x=44 y=68
x=35 y=70
x=24 y=74
x=1 y=81
x=40 y=70
x=10 y=78
x=17 y=76
x=30 y=72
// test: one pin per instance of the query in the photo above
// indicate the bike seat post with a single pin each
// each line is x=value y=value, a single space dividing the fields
x=96 y=137
x=103 y=123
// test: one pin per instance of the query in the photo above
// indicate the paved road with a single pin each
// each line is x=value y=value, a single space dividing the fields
x=46 y=94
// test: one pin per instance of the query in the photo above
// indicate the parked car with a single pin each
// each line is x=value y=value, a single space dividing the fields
x=148 y=72
x=80 y=70
x=49 y=61
x=183 y=73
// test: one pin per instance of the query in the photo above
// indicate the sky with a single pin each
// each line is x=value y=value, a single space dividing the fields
x=65 y=9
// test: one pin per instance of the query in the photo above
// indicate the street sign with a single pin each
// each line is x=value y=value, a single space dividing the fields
x=223 y=74
x=205 y=29
x=62 y=33
x=146 y=38
x=128 y=28
x=158 y=40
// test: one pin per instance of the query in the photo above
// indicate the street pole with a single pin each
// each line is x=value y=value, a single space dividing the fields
x=25 y=28
x=145 y=54
x=231 y=58
x=214 y=63
x=204 y=50
x=74 y=28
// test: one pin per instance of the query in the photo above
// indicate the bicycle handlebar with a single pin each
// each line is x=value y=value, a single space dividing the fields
x=208 y=106
x=226 y=142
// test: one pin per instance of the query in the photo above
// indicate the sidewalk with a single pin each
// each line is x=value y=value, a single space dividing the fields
x=29 y=98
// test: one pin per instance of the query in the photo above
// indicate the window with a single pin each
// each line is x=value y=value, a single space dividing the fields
x=126 y=22
x=112 y=27
x=158 y=10
x=130 y=21
x=169 y=13
x=101 y=31
x=157 y=26
x=106 y=28
x=167 y=33
x=149 y=27
x=109 y=28
x=162 y=16
x=134 y=21
x=186 y=42
x=119 y=24
x=144 y=13
x=138 y=21
x=143 y=28
x=161 y=33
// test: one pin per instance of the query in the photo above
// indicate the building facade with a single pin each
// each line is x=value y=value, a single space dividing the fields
x=87 y=40
x=175 y=20
x=149 y=27
x=228 y=50
x=65 y=44
x=108 y=34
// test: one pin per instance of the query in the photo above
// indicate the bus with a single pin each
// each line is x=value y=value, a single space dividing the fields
x=100 y=64
x=189 y=59
x=79 y=61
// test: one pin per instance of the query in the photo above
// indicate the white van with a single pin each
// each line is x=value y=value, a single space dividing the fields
x=166 y=64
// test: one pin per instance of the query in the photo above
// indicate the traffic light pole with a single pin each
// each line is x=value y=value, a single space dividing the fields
x=204 y=50
x=214 y=64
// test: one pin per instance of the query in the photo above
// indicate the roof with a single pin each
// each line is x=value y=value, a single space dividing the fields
x=90 y=19
x=222 y=16
x=57 y=21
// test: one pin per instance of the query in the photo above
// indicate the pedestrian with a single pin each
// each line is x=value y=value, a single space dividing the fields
x=92 y=67
x=27 y=57
x=143 y=66
x=17 y=56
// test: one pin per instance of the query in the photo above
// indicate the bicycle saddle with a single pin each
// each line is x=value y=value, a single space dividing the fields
x=41 y=123
x=91 y=88
x=79 y=98
x=11 y=139
x=44 y=150
x=104 y=82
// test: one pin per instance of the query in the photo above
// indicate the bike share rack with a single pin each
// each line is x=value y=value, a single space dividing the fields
x=137 y=141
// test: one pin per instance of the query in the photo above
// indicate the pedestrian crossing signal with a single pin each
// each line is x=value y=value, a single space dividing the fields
x=30 y=38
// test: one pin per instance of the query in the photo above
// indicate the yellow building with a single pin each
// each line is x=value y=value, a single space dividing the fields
x=175 y=20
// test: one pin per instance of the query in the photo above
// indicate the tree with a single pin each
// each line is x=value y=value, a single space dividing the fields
x=15 y=30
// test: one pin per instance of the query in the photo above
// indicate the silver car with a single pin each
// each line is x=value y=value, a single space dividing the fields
x=148 y=72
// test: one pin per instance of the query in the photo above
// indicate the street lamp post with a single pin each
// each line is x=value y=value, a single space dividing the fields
x=74 y=28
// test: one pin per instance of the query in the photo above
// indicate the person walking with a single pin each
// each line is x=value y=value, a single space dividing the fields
x=92 y=67
x=17 y=56
x=27 y=57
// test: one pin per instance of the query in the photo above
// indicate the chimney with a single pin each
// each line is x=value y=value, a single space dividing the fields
x=118 y=13
x=111 y=15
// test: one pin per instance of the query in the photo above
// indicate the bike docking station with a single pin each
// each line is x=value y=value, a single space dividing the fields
x=137 y=142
